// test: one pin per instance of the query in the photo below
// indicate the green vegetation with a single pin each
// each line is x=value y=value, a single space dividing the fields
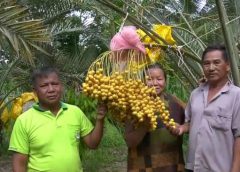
x=70 y=35
x=111 y=152
x=112 y=148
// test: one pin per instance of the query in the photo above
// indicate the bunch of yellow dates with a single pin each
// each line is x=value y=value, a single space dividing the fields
x=127 y=99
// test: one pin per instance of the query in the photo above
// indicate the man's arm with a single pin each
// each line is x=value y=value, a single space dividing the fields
x=93 y=139
x=236 y=156
x=134 y=136
x=20 y=162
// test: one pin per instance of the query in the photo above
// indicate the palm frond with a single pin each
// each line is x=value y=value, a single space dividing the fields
x=195 y=24
x=18 y=30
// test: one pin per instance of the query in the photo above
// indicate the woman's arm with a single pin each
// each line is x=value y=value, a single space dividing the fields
x=179 y=129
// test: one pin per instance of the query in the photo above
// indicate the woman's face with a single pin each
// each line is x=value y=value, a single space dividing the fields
x=156 y=79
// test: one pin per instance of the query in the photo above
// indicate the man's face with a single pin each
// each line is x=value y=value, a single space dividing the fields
x=215 y=67
x=49 y=90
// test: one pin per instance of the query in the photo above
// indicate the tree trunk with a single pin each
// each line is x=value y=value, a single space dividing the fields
x=229 y=41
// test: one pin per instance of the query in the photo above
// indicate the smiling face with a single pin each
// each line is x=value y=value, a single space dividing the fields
x=215 y=68
x=156 y=79
x=49 y=90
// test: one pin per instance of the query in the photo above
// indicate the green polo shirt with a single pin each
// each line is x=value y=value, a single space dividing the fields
x=52 y=142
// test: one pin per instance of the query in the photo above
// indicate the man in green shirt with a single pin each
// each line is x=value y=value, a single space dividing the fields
x=47 y=136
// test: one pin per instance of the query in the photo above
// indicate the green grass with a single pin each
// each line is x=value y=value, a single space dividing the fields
x=110 y=152
x=185 y=146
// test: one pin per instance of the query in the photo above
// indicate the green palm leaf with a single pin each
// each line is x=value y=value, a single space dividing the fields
x=19 y=31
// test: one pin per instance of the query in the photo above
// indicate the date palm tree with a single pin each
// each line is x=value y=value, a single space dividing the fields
x=77 y=35
x=21 y=37
x=195 y=24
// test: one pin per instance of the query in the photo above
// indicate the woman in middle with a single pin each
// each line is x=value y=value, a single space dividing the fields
x=158 y=150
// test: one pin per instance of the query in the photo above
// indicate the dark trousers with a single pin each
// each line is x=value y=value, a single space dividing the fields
x=186 y=170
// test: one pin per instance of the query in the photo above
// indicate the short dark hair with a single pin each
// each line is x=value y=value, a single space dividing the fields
x=156 y=66
x=42 y=72
x=215 y=47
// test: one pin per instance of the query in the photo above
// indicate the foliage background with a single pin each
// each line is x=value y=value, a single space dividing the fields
x=70 y=35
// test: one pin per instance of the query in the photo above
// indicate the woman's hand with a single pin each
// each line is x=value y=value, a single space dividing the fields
x=178 y=130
